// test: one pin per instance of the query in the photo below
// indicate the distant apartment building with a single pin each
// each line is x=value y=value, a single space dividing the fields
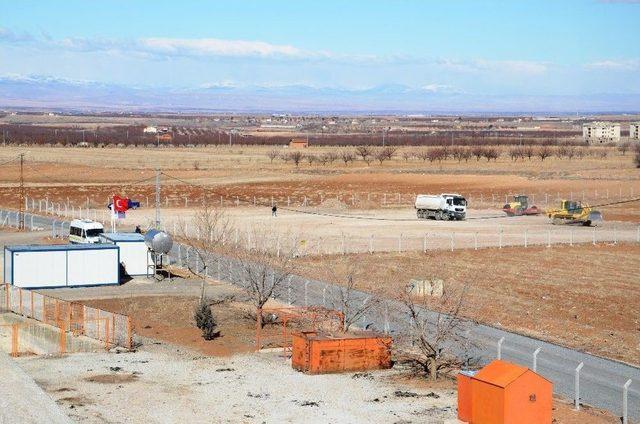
x=601 y=132
x=634 y=131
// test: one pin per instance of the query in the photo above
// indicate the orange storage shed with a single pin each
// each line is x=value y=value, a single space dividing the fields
x=504 y=393
x=317 y=353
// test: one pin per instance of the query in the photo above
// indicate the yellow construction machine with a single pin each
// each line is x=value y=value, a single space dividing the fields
x=574 y=212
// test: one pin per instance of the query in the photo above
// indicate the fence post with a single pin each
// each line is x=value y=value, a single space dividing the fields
x=638 y=234
x=500 y=347
x=475 y=240
x=53 y=229
x=577 y=386
x=615 y=235
x=424 y=242
x=548 y=238
x=535 y=358
x=625 y=402
x=594 y=236
x=400 y=243
x=342 y=242
x=371 y=242
x=452 y=241
x=500 y=239
x=525 y=238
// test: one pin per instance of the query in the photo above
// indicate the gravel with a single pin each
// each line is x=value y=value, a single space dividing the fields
x=158 y=384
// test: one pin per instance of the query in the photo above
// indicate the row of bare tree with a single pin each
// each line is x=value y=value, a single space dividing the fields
x=370 y=154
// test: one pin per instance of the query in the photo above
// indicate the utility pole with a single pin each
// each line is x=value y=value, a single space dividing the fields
x=21 y=209
x=158 y=198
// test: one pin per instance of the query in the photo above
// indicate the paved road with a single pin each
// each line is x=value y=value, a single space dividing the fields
x=601 y=379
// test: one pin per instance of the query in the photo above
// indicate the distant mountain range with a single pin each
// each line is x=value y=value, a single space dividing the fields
x=63 y=94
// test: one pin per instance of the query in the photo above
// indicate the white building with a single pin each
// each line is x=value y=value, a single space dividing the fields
x=601 y=132
x=634 y=131
x=150 y=130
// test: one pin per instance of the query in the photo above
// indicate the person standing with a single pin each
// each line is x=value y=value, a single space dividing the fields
x=274 y=210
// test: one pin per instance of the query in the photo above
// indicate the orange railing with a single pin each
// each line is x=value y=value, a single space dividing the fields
x=111 y=328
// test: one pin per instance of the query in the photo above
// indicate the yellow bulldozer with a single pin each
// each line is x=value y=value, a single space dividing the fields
x=574 y=212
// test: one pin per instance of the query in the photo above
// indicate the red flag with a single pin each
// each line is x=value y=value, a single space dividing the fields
x=120 y=204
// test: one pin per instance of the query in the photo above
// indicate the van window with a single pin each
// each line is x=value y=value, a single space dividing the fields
x=94 y=232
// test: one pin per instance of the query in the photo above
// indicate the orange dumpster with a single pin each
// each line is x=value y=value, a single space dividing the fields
x=317 y=353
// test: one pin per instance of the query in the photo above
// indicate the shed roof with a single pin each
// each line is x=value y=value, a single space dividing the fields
x=116 y=237
x=500 y=373
x=57 y=247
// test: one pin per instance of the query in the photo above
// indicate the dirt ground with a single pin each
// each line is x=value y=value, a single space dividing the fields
x=169 y=364
x=165 y=383
x=583 y=297
x=171 y=320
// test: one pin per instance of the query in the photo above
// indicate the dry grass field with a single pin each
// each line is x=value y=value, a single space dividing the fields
x=584 y=296
x=577 y=296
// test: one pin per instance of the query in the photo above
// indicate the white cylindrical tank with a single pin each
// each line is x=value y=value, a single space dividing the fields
x=430 y=201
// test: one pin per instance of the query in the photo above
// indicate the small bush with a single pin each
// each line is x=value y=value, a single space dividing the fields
x=205 y=321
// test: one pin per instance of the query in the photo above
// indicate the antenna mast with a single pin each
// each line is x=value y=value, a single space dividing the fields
x=22 y=195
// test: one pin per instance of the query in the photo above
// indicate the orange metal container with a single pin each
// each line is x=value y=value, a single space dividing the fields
x=317 y=353
x=504 y=393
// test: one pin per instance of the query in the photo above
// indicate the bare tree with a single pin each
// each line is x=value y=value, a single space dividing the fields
x=204 y=234
x=310 y=158
x=273 y=154
x=407 y=155
x=365 y=153
x=347 y=156
x=478 y=152
x=543 y=152
x=344 y=296
x=516 y=153
x=528 y=151
x=423 y=154
x=331 y=156
x=491 y=153
x=264 y=266
x=296 y=157
x=431 y=338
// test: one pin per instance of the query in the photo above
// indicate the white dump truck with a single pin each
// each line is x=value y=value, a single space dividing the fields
x=441 y=206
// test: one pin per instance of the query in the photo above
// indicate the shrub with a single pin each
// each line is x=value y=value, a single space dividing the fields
x=205 y=320
x=636 y=159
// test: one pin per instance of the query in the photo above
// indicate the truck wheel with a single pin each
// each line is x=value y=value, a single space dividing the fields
x=445 y=217
x=438 y=216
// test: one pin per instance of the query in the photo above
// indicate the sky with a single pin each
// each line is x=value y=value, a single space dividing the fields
x=508 y=47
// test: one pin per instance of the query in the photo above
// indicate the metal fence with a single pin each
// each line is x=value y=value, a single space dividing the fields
x=111 y=328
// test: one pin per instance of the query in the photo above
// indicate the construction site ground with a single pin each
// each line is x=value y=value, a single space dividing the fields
x=169 y=378
x=583 y=296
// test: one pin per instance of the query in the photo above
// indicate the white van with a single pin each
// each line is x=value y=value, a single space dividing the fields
x=82 y=231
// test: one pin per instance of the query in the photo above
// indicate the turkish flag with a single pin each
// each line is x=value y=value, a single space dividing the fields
x=120 y=204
